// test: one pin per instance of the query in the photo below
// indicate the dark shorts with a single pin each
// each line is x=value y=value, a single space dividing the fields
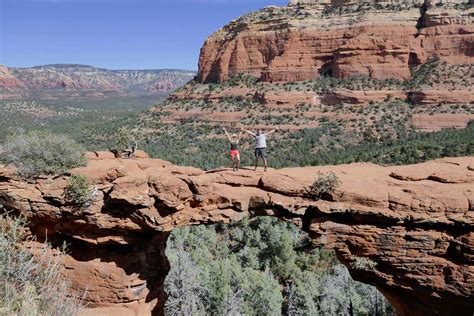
x=261 y=153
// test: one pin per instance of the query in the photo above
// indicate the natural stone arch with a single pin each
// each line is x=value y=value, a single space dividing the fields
x=414 y=221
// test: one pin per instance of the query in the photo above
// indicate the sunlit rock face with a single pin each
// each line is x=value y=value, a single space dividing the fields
x=381 y=39
x=352 y=2
x=415 y=222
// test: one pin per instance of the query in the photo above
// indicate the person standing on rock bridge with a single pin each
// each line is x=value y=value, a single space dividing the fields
x=260 y=145
x=234 y=149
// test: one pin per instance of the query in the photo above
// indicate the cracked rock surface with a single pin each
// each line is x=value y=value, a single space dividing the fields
x=415 y=222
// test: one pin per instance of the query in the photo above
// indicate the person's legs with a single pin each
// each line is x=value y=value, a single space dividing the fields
x=237 y=161
x=232 y=159
x=256 y=159
x=264 y=157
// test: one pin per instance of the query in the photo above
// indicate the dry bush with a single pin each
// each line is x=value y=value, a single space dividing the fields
x=41 y=153
x=31 y=284
x=325 y=184
x=363 y=263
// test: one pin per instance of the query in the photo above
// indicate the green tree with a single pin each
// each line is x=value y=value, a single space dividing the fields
x=267 y=267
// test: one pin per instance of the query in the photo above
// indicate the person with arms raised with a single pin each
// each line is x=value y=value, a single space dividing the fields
x=260 y=145
x=234 y=140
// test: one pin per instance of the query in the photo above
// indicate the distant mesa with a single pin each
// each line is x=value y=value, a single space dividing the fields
x=72 y=80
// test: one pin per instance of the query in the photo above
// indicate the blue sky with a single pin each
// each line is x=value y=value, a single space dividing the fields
x=115 y=34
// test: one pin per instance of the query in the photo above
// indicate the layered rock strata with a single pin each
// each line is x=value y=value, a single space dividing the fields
x=380 y=39
x=415 y=222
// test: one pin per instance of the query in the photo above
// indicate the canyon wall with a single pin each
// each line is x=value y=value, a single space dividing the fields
x=415 y=222
x=377 y=39
x=353 y=2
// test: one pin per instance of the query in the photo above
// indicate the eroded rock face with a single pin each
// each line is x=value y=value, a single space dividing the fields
x=415 y=222
x=352 y=2
x=380 y=39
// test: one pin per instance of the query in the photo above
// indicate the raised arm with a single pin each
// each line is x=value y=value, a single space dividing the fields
x=246 y=131
x=273 y=131
x=227 y=134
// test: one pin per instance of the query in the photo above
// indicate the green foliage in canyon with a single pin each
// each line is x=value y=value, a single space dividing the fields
x=260 y=267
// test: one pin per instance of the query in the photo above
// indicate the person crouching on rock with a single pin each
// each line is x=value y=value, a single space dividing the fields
x=234 y=149
x=261 y=145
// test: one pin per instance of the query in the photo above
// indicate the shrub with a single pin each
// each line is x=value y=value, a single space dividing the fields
x=30 y=284
x=362 y=263
x=325 y=183
x=42 y=153
x=77 y=190
x=125 y=139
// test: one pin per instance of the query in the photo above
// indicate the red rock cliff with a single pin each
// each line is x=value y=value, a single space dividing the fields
x=380 y=39
x=415 y=221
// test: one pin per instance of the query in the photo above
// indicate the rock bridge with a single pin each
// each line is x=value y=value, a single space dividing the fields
x=415 y=222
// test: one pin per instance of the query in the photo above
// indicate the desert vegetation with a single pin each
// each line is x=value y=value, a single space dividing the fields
x=326 y=145
x=42 y=153
x=77 y=191
x=73 y=117
x=432 y=73
x=262 y=267
x=325 y=184
x=30 y=274
x=337 y=10
x=302 y=12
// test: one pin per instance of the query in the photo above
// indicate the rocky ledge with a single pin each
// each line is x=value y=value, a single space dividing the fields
x=414 y=222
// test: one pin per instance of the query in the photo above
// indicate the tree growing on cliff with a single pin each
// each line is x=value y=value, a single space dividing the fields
x=31 y=282
x=42 y=153
x=77 y=191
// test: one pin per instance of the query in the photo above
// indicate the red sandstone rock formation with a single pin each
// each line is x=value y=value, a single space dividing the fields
x=299 y=42
x=415 y=221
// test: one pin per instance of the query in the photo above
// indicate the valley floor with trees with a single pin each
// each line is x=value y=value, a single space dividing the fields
x=261 y=266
